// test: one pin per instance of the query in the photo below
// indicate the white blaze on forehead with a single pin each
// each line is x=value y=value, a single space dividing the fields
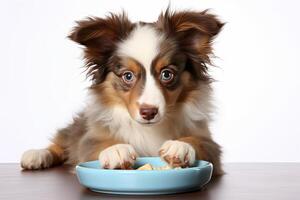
x=143 y=45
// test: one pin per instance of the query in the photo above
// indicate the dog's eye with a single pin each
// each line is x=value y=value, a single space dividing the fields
x=166 y=75
x=128 y=77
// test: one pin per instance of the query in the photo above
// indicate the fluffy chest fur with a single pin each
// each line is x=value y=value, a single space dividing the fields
x=147 y=139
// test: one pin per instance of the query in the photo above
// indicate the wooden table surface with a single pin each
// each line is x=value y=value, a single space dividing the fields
x=242 y=181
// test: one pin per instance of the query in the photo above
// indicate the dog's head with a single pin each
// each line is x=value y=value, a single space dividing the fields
x=147 y=67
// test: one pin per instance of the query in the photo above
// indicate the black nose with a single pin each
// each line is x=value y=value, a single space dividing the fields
x=148 y=112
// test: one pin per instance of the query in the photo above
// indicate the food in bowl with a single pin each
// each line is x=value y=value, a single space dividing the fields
x=150 y=167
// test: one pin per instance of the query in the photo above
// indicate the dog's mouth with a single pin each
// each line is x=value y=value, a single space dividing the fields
x=148 y=122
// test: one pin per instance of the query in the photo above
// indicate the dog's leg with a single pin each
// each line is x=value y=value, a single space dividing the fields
x=111 y=153
x=64 y=140
x=196 y=145
x=42 y=158
x=206 y=149
x=184 y=151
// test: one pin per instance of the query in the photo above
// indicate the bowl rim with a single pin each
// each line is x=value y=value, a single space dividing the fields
x=205 y=164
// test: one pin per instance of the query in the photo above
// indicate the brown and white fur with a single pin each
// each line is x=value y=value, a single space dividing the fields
x=150 y=96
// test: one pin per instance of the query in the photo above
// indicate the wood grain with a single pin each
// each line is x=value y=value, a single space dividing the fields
x=242 y=181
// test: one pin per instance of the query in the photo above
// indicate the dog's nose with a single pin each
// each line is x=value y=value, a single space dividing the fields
x=148 y=112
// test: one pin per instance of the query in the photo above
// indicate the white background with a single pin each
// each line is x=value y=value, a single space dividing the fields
x=257 y=92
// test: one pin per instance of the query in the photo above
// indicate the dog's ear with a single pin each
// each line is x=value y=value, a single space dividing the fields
x=194 y=32
x=99 y=37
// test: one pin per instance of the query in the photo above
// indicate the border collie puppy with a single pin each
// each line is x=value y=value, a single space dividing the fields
x=150 y=94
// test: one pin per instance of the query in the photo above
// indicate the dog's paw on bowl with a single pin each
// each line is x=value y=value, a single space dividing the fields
x=119 y=156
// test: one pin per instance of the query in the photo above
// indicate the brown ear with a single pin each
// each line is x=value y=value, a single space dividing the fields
x=194 y=32
x=99 y=36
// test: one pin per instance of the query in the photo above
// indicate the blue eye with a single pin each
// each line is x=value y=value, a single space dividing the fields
x=128 y=77
x=166 y=75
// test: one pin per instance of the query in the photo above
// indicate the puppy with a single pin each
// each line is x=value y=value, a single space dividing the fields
x=150 y=94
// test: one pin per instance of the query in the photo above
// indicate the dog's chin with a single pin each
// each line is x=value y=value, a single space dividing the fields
x=148 y=122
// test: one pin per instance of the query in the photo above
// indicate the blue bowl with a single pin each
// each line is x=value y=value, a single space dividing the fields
x=137 y=182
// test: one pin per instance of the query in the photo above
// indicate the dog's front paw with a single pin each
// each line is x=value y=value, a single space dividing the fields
x=36 y=159
x=177 y=153
x=119 y=156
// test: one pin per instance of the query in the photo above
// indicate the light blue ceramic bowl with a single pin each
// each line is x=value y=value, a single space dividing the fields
x=136 y=182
